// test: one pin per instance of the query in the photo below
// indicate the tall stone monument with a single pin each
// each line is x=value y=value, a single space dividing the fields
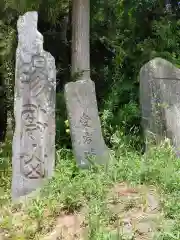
x=160 y=101
x=34 y=109
x=86 y=135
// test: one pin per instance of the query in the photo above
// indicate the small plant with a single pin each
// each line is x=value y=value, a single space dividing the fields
x=36 y=212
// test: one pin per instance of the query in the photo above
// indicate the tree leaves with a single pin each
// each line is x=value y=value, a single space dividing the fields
x=51 y=9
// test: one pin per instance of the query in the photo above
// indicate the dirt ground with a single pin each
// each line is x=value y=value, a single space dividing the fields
x=135 y=212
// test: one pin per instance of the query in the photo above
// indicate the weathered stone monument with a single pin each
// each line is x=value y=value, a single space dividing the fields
x=34 y=110
x=160 y=100
x=86 y=135
x=85 y=127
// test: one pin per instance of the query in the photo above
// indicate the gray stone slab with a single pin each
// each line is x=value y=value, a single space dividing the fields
x=34 y=109
x=160 y=100
x=85 y=127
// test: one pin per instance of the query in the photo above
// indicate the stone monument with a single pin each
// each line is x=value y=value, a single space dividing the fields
x=86 y=135
x=85 y=128
x=34 y=109
x=160 y=100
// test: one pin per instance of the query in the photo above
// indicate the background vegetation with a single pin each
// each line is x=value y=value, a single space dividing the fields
x=124 y=36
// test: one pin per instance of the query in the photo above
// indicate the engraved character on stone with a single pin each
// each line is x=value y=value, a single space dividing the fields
x=37 y=83
x=90 y=153
x=39 y=62
x=87 y=137
x=84 y=120
x=32 y=165
x=30 y=116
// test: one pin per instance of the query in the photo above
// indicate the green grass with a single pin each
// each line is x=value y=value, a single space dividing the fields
x=73 y=189
x=5 y=171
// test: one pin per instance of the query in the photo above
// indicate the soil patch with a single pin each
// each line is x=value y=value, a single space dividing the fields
x=135 y=211
x=68 y=227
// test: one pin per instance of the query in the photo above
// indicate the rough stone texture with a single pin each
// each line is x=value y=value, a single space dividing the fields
x=34 y=110
x=160 y=100
x=86 y=134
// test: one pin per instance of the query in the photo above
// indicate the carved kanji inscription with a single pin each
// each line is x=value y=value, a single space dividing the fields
x=30 y=116
x=85 y=120
x=39 y=62
x=32 y=165
x=87 y=137
x=90 y=153
x=37 y=83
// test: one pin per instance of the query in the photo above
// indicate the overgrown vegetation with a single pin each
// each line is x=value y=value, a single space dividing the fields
x=74 y=191
x=124 y=35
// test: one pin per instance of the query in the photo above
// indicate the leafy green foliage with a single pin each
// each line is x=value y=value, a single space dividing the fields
x=142 y=31
x=51 y=9
x=62 y=138
x=124 y=35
